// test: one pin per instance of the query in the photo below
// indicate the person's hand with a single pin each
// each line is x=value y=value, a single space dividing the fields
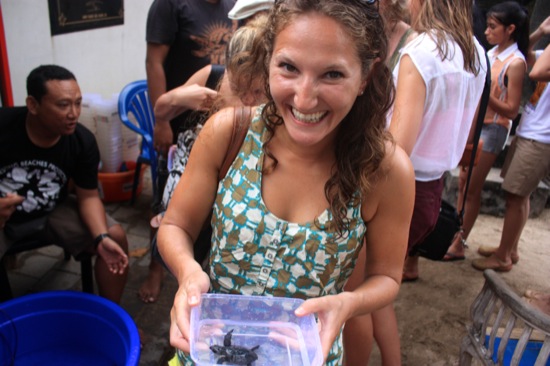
x=113 y=255
x=162 y=137
x=187 y=296
x=332 y=313
x=195 y=97
x=8 y=204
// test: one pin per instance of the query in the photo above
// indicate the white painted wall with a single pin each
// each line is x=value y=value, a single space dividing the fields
x=103 y=59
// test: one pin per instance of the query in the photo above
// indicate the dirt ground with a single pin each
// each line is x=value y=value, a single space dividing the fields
x=432 y=312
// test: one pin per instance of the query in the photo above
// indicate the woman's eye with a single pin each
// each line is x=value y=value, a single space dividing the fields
x=334 y=74
x=287 y=67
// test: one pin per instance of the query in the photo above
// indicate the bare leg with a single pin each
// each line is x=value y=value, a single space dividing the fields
x=111 y=285
x=386 y=334
x=410 y=272
x=473 y=200
x=149 y=290
x=515 y=217
x=358 y=336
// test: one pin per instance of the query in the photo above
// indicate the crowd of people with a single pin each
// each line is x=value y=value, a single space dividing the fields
x=347 y=103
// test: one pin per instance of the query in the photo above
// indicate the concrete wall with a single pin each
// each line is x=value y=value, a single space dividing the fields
x=103 y=60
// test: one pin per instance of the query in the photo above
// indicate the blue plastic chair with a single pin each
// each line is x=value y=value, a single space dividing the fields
x=134 y=100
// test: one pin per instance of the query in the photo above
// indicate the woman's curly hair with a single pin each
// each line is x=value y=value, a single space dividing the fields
x=362 y=136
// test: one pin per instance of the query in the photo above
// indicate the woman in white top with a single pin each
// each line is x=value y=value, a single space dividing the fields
x=439 y=83
x=439 y=80
x=508 y=30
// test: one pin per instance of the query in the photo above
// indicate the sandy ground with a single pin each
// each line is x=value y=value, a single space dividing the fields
x=432 y=312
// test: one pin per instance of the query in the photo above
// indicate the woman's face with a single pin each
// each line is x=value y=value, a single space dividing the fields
x=496 y=32
x=314 y=76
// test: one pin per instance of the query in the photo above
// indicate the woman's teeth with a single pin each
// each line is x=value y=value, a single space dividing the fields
x=308 y=118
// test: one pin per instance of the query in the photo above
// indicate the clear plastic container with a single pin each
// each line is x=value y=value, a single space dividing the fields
x=259 y=330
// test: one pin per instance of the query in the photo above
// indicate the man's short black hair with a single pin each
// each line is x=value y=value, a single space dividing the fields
x=36 y=81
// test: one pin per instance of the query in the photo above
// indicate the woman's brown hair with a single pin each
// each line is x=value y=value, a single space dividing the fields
x=442 y=19
x=362 y=137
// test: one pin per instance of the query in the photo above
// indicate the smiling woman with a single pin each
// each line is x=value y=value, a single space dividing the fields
x=316 y=167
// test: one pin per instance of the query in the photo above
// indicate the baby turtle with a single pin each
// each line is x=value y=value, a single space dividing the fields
x=234 y=354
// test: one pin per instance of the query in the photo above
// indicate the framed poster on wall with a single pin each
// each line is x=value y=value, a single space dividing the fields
x=77 y=15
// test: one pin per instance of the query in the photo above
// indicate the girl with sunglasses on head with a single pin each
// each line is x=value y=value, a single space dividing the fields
x=316 y=168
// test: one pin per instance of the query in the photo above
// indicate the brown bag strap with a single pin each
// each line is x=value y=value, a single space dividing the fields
x=240 y=128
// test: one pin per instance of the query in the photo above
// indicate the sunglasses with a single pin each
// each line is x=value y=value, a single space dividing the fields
x=372 y=7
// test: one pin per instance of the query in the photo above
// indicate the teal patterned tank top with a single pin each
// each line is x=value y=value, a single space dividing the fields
x=256 y=253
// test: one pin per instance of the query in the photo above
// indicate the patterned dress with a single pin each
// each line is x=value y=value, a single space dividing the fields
x=256 y=253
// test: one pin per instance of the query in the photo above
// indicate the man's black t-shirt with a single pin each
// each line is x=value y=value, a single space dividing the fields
x=197 y=32
x=41 y=175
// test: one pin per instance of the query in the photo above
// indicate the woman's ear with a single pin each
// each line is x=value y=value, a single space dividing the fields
x=362 y=87
x=510 y=29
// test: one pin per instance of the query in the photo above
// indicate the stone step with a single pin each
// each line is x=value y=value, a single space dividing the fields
x=493 y=197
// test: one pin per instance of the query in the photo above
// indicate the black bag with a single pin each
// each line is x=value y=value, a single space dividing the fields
x=436 y=244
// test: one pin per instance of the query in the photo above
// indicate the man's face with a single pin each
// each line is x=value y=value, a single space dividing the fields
x=59 y=109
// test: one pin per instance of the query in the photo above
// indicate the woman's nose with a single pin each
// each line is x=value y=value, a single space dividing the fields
x=306 y=94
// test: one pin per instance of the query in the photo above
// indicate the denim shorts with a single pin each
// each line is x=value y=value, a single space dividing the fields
x=494 y=137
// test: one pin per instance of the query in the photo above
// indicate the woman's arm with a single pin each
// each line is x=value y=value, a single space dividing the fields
x=187 y=211
x=192 y=95
x=542 y=29
x=387 y=209
x=510 y=107
x=541 y=68
x=409 y=103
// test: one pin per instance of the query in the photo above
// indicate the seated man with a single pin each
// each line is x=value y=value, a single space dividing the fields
x=42 y=149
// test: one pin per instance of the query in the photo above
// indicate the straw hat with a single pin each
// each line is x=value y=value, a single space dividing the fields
x=246 y=8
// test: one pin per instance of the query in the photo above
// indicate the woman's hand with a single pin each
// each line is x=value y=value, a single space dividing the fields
x=332 y=313
x=187 y=296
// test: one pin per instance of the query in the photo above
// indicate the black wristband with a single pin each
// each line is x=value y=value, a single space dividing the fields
x=99 y=238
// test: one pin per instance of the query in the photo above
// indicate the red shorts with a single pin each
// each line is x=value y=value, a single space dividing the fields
x=427 y=203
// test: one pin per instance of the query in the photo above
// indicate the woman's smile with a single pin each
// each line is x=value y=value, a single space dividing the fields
x=315 y=78
x=309 y=118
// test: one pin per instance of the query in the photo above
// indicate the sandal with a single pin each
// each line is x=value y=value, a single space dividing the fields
x=487 y=251
x=493 y=263
x=451 y=257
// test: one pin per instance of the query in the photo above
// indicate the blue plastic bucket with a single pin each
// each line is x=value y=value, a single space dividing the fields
x=66 y=328
x=530 y=354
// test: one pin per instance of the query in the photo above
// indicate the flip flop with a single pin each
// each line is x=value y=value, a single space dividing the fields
x=450 y=257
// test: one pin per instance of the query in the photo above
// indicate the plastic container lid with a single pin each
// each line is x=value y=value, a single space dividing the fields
x=261 y=330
